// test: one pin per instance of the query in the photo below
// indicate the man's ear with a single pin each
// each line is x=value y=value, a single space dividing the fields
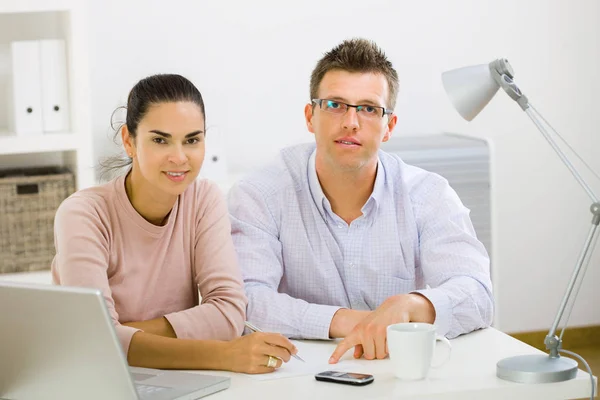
x=308 y=116
x=393 y=119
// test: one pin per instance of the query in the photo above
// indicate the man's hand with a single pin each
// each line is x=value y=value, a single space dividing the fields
x=369 y=336
x=344 y=320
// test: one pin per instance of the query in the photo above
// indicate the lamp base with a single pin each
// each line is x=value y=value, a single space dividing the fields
x=536 y=368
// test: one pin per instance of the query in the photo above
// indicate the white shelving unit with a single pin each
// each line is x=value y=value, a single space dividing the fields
x=49 y=19
x=36 y=277
x=37 y=20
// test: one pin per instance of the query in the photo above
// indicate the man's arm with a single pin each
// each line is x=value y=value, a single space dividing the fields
x=255 y=234
x=452 y=261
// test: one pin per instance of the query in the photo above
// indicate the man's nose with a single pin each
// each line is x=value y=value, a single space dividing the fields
x=350 y=119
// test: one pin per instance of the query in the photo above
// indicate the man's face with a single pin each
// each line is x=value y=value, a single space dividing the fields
x=349 y=141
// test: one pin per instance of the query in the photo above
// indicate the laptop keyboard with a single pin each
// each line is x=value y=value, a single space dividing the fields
x=147 y=390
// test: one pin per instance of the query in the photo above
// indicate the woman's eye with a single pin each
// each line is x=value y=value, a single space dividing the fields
x=193 y=141
x=159 y=140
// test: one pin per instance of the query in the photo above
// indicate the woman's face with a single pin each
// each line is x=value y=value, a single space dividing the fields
x=168 y=150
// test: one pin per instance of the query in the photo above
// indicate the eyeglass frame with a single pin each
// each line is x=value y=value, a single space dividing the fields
x=384 y=111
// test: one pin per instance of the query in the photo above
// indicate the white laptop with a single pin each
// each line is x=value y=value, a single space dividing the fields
x=58 y=342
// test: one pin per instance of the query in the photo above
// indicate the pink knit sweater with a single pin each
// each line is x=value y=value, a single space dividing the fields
x=147 y=271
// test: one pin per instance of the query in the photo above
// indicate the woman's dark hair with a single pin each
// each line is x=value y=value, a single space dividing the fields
x=155 y=89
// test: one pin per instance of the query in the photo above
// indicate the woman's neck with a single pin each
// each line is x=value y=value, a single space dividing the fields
x=152 y=205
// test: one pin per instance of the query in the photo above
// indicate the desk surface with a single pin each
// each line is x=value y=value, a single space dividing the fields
x=469 y=374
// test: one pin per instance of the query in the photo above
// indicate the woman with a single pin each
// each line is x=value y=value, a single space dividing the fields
x=151 y=238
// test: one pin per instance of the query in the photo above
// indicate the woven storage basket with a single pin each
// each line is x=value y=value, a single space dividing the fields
x=29 y=199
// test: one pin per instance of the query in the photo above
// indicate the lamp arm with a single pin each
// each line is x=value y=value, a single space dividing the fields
x=532 y=115
x=502 y=73
x=552 y=342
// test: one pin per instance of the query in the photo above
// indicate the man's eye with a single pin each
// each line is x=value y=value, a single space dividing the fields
x=370 y=110
x=333 y=104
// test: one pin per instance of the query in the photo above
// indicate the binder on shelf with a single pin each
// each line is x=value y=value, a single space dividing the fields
x=53 y=70
x=25 y=117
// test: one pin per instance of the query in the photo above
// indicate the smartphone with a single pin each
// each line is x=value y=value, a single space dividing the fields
x=348 y=378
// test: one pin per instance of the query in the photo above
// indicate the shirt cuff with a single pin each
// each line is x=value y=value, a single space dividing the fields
x=442 y=306
x=125 y=333
x=181 y=325
x=317 y=320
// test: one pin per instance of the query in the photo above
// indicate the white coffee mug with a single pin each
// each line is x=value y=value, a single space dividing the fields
x=411 y=346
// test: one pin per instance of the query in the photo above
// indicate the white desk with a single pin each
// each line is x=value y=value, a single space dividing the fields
x=469 y=374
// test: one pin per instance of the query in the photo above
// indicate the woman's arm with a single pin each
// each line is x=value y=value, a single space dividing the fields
x=248 y=354
x=81 y=237
x=222 y=311
x=154 y=351
x=82 y=246
x=158 y=326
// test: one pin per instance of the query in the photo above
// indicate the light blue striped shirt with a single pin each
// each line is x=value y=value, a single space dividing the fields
x=301 y=262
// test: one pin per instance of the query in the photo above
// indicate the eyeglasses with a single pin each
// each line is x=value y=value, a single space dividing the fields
x=365 y=110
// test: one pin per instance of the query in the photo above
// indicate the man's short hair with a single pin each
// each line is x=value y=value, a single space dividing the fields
x=356 y=55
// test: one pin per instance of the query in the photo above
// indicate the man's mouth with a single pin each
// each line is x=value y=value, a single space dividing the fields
x=348 y=142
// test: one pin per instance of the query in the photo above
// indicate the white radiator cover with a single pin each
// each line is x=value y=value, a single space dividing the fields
x=464 y=161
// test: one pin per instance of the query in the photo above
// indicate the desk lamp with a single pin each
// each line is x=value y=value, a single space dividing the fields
x=470 y=89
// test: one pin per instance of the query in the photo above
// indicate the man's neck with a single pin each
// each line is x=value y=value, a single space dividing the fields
x=153 y=207
x=348 y=191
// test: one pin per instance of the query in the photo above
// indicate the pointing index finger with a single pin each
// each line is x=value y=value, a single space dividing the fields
x=345 y=345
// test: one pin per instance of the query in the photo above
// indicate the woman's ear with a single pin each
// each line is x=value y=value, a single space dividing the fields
x=128 y=141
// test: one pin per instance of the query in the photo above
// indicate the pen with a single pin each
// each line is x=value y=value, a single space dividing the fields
x=255 y=329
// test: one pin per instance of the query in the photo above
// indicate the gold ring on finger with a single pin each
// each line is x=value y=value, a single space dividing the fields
x=272 y=363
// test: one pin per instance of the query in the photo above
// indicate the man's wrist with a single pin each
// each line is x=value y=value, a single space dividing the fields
x=421 y=309
x=336 y=327
x=344 y=320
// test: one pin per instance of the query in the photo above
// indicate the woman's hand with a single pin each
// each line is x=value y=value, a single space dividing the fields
x=250 y=354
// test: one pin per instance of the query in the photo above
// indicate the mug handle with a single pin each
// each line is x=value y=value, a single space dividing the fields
x=448 y=345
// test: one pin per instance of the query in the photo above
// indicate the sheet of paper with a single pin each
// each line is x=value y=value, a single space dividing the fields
x=316 y=354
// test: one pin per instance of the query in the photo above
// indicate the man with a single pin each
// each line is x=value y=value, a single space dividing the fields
x=340 y=239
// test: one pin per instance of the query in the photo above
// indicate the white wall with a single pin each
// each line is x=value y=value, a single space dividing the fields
x=252 y=62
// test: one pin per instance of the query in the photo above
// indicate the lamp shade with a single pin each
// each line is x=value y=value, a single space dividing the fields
x=470 y=89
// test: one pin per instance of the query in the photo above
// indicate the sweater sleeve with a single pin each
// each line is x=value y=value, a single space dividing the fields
x=222 y=311
x=82 y=254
